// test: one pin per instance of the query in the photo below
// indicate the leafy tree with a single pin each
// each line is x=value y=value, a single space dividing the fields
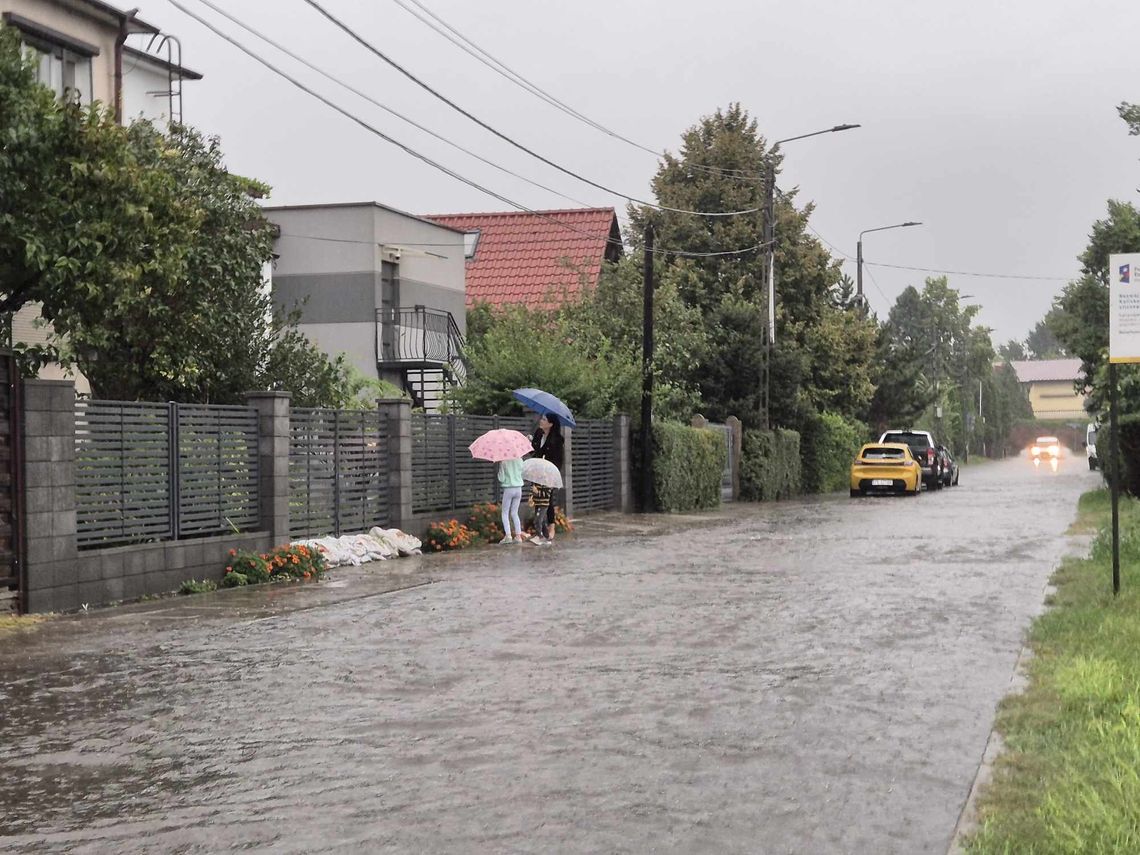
x=144 y=252
x=1013 y=350
x=607 y=321
x=1042 y=343
x=588 y=352
x=722 y=166
x=524 y=348
x=1131 y=115
x=1080 y=319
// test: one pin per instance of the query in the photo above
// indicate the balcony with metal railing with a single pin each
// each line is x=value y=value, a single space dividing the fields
x=419 y=337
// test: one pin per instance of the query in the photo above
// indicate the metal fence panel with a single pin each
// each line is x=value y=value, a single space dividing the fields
x=217 y=469
x=123 y=472
x=338 y=477
x=445 y=478
x=592 y=452
x=163 y=471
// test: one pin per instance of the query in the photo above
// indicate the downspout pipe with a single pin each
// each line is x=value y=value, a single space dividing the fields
x=124 y=30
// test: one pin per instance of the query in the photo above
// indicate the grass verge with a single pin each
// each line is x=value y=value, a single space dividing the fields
x=16 y=623
x=1069 y=780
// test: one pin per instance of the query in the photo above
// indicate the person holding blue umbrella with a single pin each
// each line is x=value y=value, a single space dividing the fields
x=547 y=440
x=548 y=444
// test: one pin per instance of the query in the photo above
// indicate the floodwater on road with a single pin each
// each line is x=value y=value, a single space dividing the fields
x=818 y=675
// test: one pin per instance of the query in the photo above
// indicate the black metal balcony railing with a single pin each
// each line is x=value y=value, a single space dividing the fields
x=419 y=336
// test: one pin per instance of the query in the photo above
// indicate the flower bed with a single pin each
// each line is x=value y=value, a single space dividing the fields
x=294 y=562
x=448 y=535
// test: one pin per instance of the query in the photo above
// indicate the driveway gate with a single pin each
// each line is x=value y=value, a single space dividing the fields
x=726 y=477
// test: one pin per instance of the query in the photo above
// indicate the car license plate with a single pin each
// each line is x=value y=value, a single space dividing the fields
x=882 y=482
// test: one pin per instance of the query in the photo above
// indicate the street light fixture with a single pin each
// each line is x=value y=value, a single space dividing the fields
x=859 y=256
x=770 y=241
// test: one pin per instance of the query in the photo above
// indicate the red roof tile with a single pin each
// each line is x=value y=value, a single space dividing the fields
x=541 y=259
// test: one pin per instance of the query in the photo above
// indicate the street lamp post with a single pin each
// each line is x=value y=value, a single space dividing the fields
x=770 y=272
x=859 y=256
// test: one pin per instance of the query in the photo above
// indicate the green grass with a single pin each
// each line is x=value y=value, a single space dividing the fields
x=16 y=623
x=1069 y=781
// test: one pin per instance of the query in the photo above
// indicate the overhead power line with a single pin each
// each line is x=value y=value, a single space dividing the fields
x=472 y=49
x=424 y=158
x=355 y=36
x=968 y=272
x=390 y=110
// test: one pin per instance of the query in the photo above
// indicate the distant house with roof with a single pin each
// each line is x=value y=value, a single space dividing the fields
x=540 y=260
x=1050 y=385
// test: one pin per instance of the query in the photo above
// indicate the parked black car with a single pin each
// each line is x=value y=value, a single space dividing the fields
x=925 y=451
x=949 y=467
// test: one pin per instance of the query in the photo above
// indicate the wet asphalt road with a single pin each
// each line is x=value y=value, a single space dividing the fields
x=814 y=676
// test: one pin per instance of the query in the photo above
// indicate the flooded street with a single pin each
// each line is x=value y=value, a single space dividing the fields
x=818 y=675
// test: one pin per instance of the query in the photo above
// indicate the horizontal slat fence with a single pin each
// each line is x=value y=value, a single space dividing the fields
x=123 y=472
x=338 y=476
x=592 y=455
x=217 y=469
x=444 y=475
x=163 y=471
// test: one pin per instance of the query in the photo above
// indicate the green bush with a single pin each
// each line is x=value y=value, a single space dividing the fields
x=770 y=465
x=688 y=465
x=828 y=444
x=193 y=586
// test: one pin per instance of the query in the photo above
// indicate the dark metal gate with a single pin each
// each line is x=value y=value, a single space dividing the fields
x=338 y=472
x=11 y=482
x=725 y=431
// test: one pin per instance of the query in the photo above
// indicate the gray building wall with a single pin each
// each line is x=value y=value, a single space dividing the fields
x=329 y=264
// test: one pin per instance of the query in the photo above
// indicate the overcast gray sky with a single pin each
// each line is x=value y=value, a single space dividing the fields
x=992 y=123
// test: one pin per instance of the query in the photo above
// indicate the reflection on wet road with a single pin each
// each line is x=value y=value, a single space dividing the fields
x=812 y=676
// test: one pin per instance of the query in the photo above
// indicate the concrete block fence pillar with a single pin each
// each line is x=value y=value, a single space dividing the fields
x=623 y=465
x=51 y=555
x=398 y=412
x=568 y=472
x=273 y=461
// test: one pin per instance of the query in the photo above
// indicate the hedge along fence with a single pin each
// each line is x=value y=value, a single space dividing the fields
x=688 y=464
x=828 y=444
x=770 y=466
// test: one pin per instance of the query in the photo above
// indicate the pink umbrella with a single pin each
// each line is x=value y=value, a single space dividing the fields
x=500 y=444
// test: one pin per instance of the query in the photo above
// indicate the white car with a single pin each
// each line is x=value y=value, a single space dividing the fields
x=1090 y=446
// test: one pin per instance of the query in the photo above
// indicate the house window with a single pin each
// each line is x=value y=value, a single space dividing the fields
x=470 y=242
x=64 y=72
x=63 y=63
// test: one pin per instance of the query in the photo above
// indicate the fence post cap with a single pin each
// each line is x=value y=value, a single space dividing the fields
x=265 y=393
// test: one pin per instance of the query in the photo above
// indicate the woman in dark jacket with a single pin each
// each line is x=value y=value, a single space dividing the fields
x=548 y=444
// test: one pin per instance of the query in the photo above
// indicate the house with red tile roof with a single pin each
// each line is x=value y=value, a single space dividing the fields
x=540 y=260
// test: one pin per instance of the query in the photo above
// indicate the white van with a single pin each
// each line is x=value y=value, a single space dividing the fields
x=1090 y=446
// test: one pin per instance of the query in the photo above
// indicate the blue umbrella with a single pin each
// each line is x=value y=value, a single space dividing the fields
x=545 y=404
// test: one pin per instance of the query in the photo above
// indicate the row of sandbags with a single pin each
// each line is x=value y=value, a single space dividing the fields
x=356 y=549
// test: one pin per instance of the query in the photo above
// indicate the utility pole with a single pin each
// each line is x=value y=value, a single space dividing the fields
x=647 y=377
x=770 y=277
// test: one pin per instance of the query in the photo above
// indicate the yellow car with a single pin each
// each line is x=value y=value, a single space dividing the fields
x=885 y=467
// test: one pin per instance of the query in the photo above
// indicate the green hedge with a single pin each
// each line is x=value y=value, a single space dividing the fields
x=828 y=444
x=688 y=465
x=770 y=466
